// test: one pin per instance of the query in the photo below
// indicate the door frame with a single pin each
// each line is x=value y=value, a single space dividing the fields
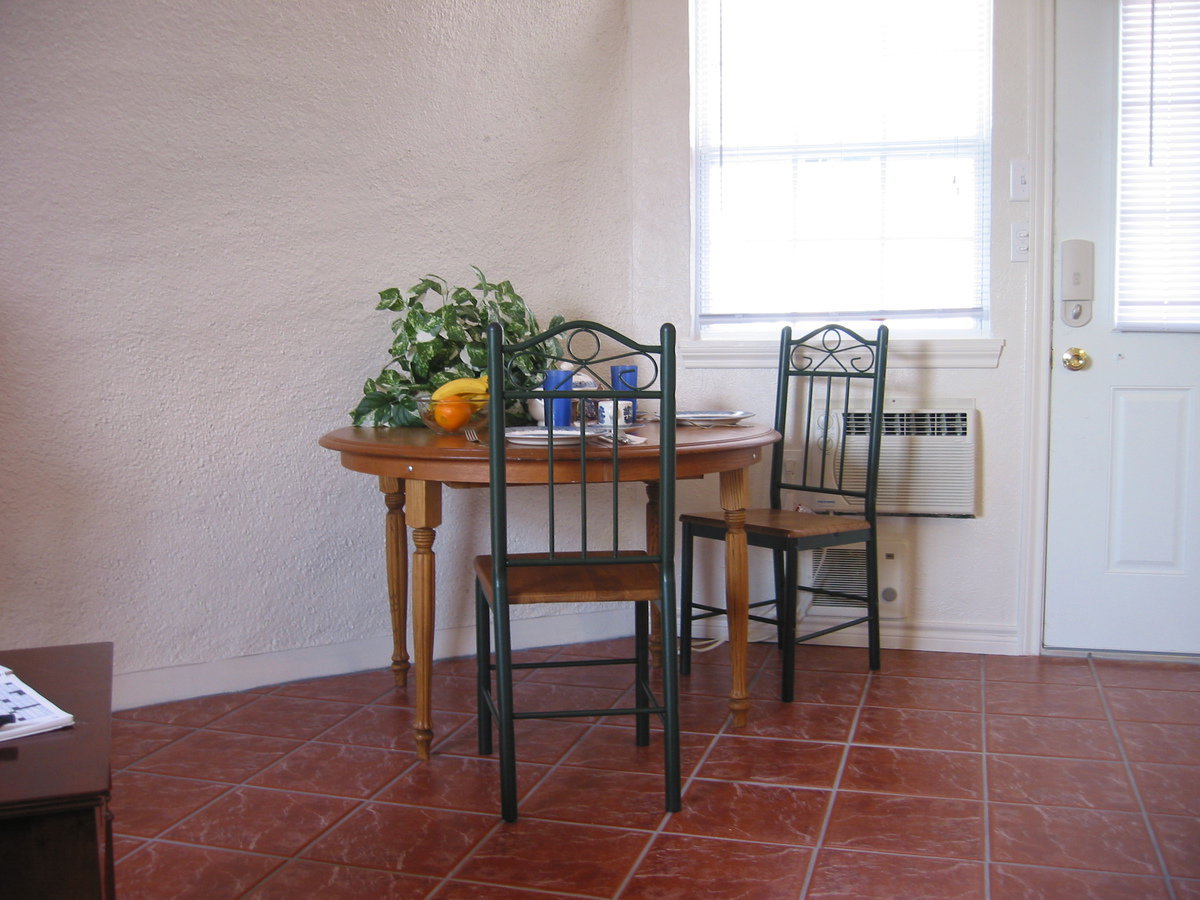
x=1039 y=322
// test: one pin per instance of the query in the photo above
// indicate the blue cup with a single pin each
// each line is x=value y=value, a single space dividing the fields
x=558 y=412
x=625 y=378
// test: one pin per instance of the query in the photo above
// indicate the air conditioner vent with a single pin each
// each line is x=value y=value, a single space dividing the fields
x=927 y=460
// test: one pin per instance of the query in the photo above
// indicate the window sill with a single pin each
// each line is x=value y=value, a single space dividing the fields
x=903 y=353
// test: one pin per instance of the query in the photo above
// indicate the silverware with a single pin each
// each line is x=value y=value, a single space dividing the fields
x=472 y=435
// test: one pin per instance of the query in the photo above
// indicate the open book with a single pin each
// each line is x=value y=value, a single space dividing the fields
x=24 y=711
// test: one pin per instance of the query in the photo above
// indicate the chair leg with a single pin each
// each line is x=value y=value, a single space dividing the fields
x=504 y=707
x=641 y=631
x=670 y=687
x=483 y=672
x=781 y=595
x=787 y=625
x=687 y=539
x=872 y=605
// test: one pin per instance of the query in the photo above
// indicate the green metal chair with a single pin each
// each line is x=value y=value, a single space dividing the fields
x=592 y=546
x=829 y=386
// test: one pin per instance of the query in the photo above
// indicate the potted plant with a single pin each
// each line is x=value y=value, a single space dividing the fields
x=437 y=343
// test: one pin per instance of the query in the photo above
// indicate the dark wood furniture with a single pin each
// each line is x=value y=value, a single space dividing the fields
x=412 y=464
x=55 y=825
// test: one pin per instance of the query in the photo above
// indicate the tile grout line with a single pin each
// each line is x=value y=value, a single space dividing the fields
x=836 y=786
x=1137 y=793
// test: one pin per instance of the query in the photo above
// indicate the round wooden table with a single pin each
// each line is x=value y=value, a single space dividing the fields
x=412 y=464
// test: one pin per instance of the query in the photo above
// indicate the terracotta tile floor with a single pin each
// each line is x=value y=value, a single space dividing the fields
x=943 y=775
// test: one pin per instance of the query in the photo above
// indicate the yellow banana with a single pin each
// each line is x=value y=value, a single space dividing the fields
x=470 y=388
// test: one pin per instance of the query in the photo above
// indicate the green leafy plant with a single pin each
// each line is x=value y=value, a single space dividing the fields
x=436 y=343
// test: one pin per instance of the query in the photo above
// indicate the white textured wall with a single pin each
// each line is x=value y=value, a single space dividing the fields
x=200 y=201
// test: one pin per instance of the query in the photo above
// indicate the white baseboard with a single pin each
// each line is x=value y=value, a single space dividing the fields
x=948 y=637
x=133 y=689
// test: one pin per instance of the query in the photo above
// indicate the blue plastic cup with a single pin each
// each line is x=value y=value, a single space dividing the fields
x=625 y=378
x=558 y=411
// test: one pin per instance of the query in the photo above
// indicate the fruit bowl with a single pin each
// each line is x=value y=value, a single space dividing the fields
x=451 y=415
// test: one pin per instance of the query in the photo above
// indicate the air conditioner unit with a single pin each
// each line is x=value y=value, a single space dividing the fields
x=927 y=459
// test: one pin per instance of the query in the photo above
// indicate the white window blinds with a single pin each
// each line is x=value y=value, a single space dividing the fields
x=1158 y=217
x=842 y=163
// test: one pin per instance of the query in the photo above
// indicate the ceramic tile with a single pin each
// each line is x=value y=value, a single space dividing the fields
x=1051 y=736
x=303 y=878
x=1172 y=790
x=713 y=680
x=556 y=856
x=681 y=867
x=261 y=821
x=1106 y=840
x=1139 y=705
x=183 y=872
x=798 y=763
x=538 y=740
x=797 y=721
x=146 y=805
x=836 y=688
x=1010 y=882
x=911 y=663
x=1179 y=839
x=408 y=839
x=132 y=740
x=1038 y=669
x=750 y=812
x=1020 y=699
x=925 y=693
x=299 y=718
x=1162 y=676
x=612 y=747
x=195 y=713
x=932 y=826
x=854 y=875
x=217 y=755
x=1060 y=782
x=390 y=727
x=357 y=687
x=598 y=797
x=458 y=782
x=925 y=773
x=929 y=729
x=1160 y=742
x=340 y=769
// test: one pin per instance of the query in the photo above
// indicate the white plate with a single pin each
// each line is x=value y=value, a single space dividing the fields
x=538 y=435
x=711 y=416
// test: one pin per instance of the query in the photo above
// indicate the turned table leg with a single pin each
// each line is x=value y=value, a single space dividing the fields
x=424 y=510
x=397 y=574
x=734 y=496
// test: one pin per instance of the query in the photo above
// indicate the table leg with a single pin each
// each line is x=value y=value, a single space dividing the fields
x=424 y=511
x=397 y=573
x=734 y=496
x=652 y=545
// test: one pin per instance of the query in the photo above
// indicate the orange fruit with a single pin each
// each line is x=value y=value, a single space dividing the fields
x=452 y=414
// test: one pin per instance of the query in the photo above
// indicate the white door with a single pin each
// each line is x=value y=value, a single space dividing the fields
x=1123 y=554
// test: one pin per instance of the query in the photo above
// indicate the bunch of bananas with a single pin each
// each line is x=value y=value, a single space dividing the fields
x=473 y=390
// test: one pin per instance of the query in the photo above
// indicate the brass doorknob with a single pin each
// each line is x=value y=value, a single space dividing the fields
x=1075 y=359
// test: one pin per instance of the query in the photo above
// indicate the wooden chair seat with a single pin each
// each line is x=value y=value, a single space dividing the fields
x=783 y=524
x=607 y=583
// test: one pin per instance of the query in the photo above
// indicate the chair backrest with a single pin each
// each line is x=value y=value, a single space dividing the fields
x=586 y=509
x=829 y=409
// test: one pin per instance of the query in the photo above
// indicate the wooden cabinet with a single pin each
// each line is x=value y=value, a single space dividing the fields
x=55 y=825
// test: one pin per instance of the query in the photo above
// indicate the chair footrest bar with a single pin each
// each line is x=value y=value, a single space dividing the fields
x=577 y=713
x=831 y=629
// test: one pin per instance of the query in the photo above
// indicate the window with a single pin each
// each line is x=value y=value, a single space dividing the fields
x=842 y=164
x=1158 y=199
